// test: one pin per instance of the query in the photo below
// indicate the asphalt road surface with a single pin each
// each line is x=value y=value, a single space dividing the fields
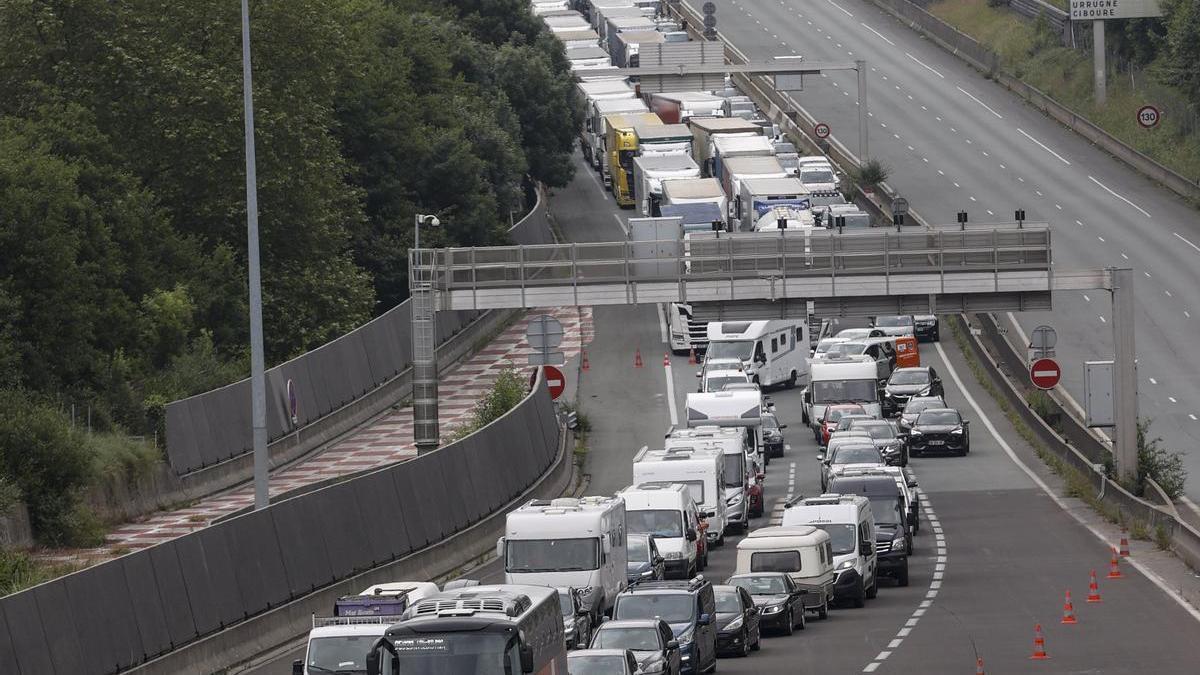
x=957 y=141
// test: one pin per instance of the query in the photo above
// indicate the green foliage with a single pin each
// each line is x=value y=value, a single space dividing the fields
x=509 y=389
x=19 y=571
x=1156 y=462
x=872 y=172
x=10 y=494
x=1180 y=65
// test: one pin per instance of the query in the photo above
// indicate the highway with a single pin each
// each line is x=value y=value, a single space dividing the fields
x=957 y=141
x=1008 y=551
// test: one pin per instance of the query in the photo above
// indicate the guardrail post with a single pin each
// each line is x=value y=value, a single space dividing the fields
x=942 y=259
x=887 y=262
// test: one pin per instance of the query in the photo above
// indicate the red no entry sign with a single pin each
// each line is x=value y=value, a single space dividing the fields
x=1045 y=373
x=554 y=381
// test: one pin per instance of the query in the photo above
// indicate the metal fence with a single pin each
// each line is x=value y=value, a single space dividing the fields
x=127 y=611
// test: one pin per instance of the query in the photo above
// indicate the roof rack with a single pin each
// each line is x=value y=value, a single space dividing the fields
x=326 y=621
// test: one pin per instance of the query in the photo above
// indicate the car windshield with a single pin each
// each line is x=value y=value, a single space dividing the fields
x=857 y=454
x=735 y=470
x=853 y=333
x=886 y=510
x=825 y=345
x=769 y=422
x=341 y=654
x=775 y=561
x=835 y=391
x=722 y=382
x=670 y=607
x=841 y=537
x=660 y=523
x=893 y=321
x=565 y=603
x=637 y=639
x=916 y=405
x=938 y=418
x=846 y=421
x=737 y=349
x=451 y=654
x=727 y=600
x=877 y=431
x=835 y=414
x=762 y=585
x=910 y=377
x=552 y=555
x=637 y=549
x=816 y=176
x=590 y=664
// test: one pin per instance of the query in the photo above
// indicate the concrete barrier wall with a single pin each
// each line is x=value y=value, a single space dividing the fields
x=160 y=601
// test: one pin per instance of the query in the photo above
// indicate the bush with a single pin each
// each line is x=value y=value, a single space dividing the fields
x=873 y=172
x=509 y=389
x=18 y=571
x=1158 y=463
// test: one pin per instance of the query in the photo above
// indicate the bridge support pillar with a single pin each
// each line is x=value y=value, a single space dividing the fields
x=426 y=434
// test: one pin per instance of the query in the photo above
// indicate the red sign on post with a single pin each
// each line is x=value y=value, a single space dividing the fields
x=1045 y=373
x=822 y=130
x=1148 y=116
x=555 y=381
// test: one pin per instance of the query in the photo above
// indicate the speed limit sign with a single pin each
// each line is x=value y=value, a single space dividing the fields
x=822 y=130
x=1148 y=116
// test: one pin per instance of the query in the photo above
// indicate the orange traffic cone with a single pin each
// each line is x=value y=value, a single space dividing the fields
x=1069 y=610
x=692 y=356
x=637 y=358
x=667 y=360
x=1093 y=589
x=1114 y=567
x=585 y=365
x=1124 y=550
x=979 y=666
x=1039 y=644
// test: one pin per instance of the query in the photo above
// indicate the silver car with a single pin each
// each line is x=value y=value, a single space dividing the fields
x=884 y=436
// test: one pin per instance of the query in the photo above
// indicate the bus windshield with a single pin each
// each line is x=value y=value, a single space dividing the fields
x=845 y=391
x=552 y=555
x=451 y=654
x=736 y=349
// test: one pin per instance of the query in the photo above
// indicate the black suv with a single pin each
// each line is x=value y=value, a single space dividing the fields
x=939 y=430
x=892 y=536
x=906 y=383
x=689 y=607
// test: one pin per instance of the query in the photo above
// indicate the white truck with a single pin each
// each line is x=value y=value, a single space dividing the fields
x=587 y=58
x=668 y=513
x=566 y=23
x=676 y=107
x=771 y=352
x=649 y=172
x=738 y=169
x=705 y=129
x=758 y=196
x=726 y=147
x=694 y=191
x=665 y=139
x=685 y=332
x=841 y=380
x=736 y=408
x=701 y=470
x=742 y=468
x=568 y=542
x=578 y=38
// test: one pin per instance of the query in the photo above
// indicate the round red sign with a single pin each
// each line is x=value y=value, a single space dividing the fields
x=555 y=381
x=1045 y=373
x=1148 y=116
x=822 y=130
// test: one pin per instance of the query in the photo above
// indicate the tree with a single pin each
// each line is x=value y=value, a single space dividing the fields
x=1180 y=63
x=547 y=108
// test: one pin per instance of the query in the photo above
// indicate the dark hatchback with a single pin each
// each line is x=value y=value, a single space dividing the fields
x=737 y=621
x=892 y=538
x=780 y=603
x=939 y=430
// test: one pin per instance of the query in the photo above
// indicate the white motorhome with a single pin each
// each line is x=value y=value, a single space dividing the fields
x=771 y=352
x=649 y=172
x=841 y=380
x=668 y=512
x=702 y=471
x=737 y=408
x=851 y=526
x=803 y=552
x=741 y=466
x=568 y=542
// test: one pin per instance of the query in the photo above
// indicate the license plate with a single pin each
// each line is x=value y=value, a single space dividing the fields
x=937 y=442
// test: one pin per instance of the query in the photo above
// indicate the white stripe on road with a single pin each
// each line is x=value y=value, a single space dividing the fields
x=843 y=10
x=998 y=115
x=881 y=37
x=671 y=409
x=662 y=323
x=1184 y=240
x=926 y=67
x=1109 y=191
x=1043 y=146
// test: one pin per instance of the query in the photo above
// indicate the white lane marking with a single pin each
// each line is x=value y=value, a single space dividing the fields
x=841 y=8
x=1109 y=191
x=941 y=173
x=624 y=228
x=1149 y=574
x=1003 y=167
x=1079 y=223
x=1168 y=294
x=986 y=107
x=990 y=212
x=672 y=410
x=1172 y=399
x=924 y=66
x=1058 y=206
x=1103 y=320
x=1153 y=381
x=1085 y=297
x=662 y=324
x=1043 y=146
x=895 y=643
x=1100 y=238
x=1184 y=240
x=881 y=37
x=1124 y=256
x=871 y=667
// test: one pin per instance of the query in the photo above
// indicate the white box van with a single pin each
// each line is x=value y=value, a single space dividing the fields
x=668 y=513
x=851 y=526
x=802 y=551
x=568 y=542
x=701 y=470
x=841 y=380
x=741 y=470
x=771 y=352
x=739 y=408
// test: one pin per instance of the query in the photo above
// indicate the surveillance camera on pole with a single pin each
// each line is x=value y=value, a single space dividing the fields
x=427 y=220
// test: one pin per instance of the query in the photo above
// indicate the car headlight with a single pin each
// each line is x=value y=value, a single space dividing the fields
x=924 y=392
x=672 y=555
x=735 y=624
x=957 y=431
x=773 y=609
x=734 y=500
x=915 y=432
x=845 y=564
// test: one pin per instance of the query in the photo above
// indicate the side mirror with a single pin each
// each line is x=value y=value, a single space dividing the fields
x=868 y=548
x=673 y=644
x=820 y=457
x=782 y=426
x=705 y=619
x=966 y=423
x=298 y=665
x=500 y=548
x=691 y=534
x=526 y=659
x=372 y=663
x=710 y=514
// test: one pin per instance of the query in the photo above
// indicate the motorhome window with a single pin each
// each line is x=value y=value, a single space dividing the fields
x=453 y=654
x=939 y=418
x=670 y=607
x=840 y=391
x=769 y=422
x=783 y=339
x=775 y=561
x=774 y=345
x=695 y=488
x=735 y=349
x=683 y=311
x=758 y=352
x=728 y=600
x=841 y=537
x=886 y=510
x=552 y=555
x=657 y=523
x=893 y=321
x=340 y=654
x=735 y=470
x=637 y=639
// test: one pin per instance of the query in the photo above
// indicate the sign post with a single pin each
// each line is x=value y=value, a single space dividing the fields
x=1098 y=11
x=544 y=333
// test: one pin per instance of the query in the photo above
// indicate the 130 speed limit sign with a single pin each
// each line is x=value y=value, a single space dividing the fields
x=1148 y=116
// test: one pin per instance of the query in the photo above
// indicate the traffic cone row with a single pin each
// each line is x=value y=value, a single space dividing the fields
x=1093 y=589
x=637 y=358
x=1124 y=550
x=1039 y=644
x=1068 y=615
x=692 y=357
x=666 y=360
x=1068 y=610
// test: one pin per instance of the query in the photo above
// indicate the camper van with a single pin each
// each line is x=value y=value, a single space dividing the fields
x=741 y=469
x=702 y=470
x=667 y=512
x=841 y=380
x=802 y=552
x=771 y=352
x=568 y=542
x=851 y=526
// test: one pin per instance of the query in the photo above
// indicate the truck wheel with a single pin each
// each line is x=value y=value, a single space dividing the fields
x=791 y=383
x=902 y=576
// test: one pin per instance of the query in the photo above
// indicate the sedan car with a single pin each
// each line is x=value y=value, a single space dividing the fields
x=939 y=430
x=772 y=432
x=650 y=640
x=577 y=620
x=643 y=562
x=737 y=621
x=883 y=434
x=829 y=420
x=848 y=455
x=602 y=662
x=780 y=603
x=915 y=405
x=906 y=383
x=926 y=327
x=896 y=325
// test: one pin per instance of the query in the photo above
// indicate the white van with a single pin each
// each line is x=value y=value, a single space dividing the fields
x=701 y=470
x=667 y=512
x=841 y=380
x=851 y=526
x=803 y=552
x=771 y=352
x=568 y=542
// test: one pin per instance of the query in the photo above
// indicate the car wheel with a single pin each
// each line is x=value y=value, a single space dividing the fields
x=902 y=575
x=803 y=621
x=757 y=639
x=745 y=644
x=823 y=611
x=873 y=591
x=791 y=382
x=962 y=452
x=860 y=598
x=789 y=626
x=903 y=458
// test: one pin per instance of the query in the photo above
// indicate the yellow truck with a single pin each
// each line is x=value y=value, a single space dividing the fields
x=621 y=146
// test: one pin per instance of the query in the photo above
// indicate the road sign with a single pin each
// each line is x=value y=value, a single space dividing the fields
x=899 y=206
x=544 y=332
x=555 y=381
x=1148 y=116
x=821 y=130
x=1043 y=338
x=1045 y=373
x=547 y=358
